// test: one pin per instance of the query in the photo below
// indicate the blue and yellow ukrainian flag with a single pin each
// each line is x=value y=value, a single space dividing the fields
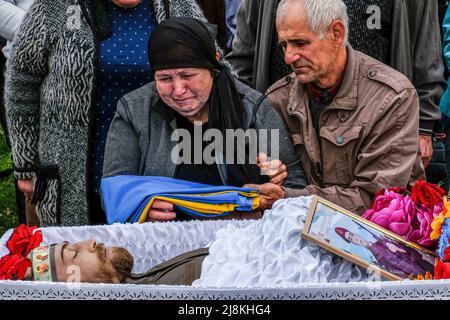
x=129 y=198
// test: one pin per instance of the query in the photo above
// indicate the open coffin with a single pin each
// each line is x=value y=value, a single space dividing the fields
x=261 y=259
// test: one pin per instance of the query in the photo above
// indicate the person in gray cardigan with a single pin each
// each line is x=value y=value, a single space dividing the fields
x=50 y=100
x=192 y=92
x=12 y=13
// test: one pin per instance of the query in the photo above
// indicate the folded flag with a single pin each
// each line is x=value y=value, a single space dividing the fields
x=129 y=198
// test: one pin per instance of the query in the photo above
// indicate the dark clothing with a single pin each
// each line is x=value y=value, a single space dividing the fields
x=214 y=11
x=183 y=43
x=279 y=68
x=98 y=215
x=222 y=13
x=446 y=142
x=197 y=172
x=123 y=67
x=370 y=30
x=316 y=108
x=2 y=87
x=319 y=99
x=181 y=270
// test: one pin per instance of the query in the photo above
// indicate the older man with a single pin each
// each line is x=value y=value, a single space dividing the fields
x=354 y=121
x=402 y=34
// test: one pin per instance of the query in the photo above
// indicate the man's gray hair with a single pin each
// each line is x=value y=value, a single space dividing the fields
x=320 y=14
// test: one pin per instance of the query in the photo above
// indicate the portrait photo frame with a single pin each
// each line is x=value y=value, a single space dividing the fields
x=365 y=243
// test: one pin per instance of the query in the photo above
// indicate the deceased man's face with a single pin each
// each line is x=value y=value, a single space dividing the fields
x=89 y=261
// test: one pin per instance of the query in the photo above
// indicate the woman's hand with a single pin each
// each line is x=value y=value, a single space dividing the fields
x=161 y=211
x=275 y=169
x=27 y=187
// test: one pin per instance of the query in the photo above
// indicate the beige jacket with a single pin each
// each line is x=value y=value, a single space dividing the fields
x=369 y=133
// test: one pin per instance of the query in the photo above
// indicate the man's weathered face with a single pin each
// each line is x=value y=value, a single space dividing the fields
x=310 y=57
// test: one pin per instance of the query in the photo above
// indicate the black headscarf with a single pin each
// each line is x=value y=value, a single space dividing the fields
x=189 y=43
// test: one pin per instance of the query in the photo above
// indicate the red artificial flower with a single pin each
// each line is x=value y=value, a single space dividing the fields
x=441 y=270
x=379 y=193
x=22 y=240
x=427 y=194
x=398 y=190
x=14 y=267
x=447 y=254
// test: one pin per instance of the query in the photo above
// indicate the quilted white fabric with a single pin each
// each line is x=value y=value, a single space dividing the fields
x=271 y=252
x=149 y=243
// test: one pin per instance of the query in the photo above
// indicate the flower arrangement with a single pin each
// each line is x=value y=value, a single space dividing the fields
x=441 y=233
x=422 y=217
x=409 y=216
x=14 y=265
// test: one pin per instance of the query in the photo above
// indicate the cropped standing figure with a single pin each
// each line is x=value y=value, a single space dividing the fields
x=71 y=61
x=12 y=13
x=192 y=93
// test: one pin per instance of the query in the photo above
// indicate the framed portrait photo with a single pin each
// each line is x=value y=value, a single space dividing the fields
x=365 y=243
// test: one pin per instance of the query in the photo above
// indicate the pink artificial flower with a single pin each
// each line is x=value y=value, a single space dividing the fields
x=394 y=212
x=422 y=232
x=399 y=214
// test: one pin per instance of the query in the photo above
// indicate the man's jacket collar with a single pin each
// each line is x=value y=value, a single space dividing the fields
x=346 y=97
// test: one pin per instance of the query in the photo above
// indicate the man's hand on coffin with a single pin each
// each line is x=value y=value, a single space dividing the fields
x=27 y=187
x=161 y=211
x=269 y=193
x=275 y=169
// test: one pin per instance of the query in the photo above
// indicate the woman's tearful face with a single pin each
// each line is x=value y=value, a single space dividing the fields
x=186 y=90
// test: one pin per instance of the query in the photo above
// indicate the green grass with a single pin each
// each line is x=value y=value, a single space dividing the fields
x=8 y=215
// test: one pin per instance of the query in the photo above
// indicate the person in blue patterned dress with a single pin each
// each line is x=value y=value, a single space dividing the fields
x=70 y=63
